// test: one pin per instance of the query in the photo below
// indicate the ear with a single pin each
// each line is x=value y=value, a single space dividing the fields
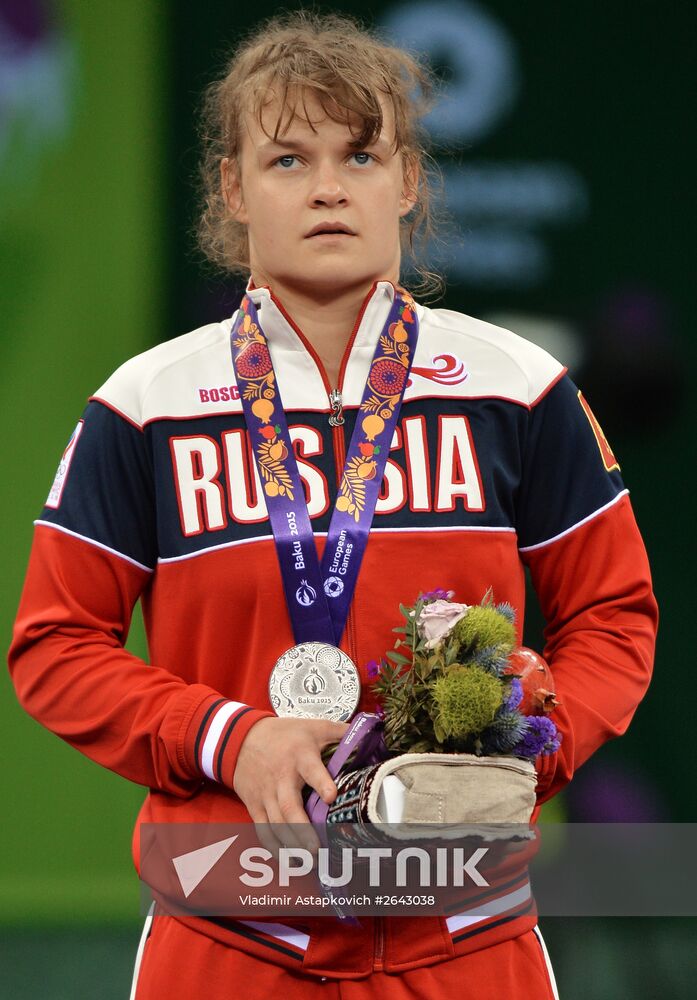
x=410 y=186
x=232 y=189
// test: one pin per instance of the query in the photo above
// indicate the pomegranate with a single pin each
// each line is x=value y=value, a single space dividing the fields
x=372 y=426
x=366 y=470
x=398 y=332
x=263 y=408
x=536 y=677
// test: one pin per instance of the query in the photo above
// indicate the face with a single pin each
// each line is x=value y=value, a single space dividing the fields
x=322 y=215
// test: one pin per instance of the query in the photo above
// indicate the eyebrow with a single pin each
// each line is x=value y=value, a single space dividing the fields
x=271 y=144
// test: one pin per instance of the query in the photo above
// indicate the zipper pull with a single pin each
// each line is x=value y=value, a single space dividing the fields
x=336 y=418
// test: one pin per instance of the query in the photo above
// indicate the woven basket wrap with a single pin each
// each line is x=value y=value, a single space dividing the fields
x=353 y=792
x=445 y=789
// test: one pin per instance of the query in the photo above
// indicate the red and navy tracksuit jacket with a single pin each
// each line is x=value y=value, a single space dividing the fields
x=497 y=464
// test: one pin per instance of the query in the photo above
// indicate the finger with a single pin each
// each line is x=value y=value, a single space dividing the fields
x=292 y=832
x=265 y=833
x=291 y=837
x=291 y=806
x=315 y=774
x=331 y=732
x=292 y=810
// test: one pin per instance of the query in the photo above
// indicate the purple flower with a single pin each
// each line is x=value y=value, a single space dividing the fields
x=514 y=696
x=541 y=737
x=373 y=668
x=380 y=711
x=437 y=595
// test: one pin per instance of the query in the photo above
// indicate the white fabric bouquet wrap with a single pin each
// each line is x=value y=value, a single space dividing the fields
x=452 y=790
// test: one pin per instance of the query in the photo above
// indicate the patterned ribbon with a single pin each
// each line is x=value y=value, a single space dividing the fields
x=364 y=740
x=319 y=597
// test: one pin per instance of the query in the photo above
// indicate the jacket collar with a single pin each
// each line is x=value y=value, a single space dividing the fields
x=285 y=336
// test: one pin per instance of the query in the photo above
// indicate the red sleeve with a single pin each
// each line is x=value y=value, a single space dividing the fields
x=594 y=587
x=72 y=674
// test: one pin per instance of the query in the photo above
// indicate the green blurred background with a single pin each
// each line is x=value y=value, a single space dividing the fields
x=563 y=138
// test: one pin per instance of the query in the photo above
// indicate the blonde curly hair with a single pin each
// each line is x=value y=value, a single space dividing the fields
x=348 y=70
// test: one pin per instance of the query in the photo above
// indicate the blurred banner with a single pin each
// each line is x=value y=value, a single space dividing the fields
x=559 y=134
x=81 y=286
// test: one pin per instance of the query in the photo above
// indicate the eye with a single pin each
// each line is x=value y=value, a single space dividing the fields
x=286 y=161
x=362 y=159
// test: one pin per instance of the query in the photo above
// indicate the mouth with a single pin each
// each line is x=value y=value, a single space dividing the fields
x=330 y=229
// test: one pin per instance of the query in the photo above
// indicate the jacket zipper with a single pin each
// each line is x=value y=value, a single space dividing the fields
x=337 y=421
x=379 y=943
x=336 y=417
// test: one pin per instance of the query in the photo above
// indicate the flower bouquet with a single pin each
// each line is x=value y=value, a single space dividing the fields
x=464 y=713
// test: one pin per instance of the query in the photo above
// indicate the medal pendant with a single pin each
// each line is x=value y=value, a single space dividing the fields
x=315 y=680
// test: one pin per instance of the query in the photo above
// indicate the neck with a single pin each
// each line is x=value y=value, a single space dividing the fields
x=327 y=323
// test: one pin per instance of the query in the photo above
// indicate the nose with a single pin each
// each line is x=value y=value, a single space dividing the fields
x=327 y=188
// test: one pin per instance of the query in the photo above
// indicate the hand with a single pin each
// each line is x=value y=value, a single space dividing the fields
x=277 y=758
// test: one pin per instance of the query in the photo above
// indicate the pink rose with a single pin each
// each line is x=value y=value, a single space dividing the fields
x=437 y=619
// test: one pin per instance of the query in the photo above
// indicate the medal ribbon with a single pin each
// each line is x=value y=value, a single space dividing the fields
x=319 y=597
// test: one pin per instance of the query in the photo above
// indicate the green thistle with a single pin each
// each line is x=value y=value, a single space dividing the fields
x=465 y=700
x=484 y=627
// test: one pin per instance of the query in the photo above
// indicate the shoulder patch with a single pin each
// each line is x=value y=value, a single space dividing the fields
x=609 y=460
x=55 y=493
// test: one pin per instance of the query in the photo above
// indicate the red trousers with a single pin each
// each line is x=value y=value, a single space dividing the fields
x=181 y=964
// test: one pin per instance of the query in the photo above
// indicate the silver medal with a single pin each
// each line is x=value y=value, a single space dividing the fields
x=315 y=681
